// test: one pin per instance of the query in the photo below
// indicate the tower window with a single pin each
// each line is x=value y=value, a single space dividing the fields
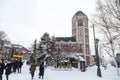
x=80 y=22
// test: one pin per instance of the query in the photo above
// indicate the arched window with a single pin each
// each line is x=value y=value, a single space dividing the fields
x=80 y=22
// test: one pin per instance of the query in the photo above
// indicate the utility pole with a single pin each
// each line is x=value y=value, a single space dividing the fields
x=94 y=42
x=35 y=43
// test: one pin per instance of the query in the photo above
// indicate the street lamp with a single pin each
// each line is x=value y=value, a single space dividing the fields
x=97 y=58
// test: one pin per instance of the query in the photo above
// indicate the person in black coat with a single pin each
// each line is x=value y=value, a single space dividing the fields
x=2 y=66
x=14 y=65
x=20 y=63
x=41 y=70
x=8 y=69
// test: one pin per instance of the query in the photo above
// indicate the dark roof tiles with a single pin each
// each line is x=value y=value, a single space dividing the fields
x=65 y=39
x=79 y=13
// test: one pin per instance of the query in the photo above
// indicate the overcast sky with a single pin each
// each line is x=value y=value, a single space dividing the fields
x=26 y=20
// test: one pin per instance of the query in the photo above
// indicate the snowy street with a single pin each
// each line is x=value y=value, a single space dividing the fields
x=74 y=74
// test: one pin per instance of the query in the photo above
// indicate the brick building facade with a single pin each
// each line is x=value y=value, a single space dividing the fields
x=78 y=44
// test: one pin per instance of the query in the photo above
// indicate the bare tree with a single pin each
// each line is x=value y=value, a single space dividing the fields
x=2 y=35
x=3 y=38
x=107 y=19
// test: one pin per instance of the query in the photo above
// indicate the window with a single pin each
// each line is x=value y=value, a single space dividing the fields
x=80 y=31
x=80 y=22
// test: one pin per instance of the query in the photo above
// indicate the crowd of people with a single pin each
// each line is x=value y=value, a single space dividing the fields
x=15 y=66
x=10 y=66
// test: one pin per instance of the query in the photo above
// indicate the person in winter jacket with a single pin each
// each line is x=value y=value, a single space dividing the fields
x=41 y=70
x=14 y=65
x=20 y=63
x=33 y=68
x=8 y=69
x=2 y=66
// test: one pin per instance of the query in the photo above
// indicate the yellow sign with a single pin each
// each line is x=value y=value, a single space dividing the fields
x=17 y=56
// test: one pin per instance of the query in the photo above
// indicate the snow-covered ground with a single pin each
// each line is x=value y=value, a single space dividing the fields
x=74 y=74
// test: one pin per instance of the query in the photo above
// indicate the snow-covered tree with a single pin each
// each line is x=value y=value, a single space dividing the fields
x=45 y=48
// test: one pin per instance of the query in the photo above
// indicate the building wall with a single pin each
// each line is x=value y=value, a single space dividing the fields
x=70 y=47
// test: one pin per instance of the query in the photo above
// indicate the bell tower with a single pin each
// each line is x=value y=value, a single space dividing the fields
x=80 y=26
x=80 y=32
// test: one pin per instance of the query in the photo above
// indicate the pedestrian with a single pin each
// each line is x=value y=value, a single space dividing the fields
x=2 y=66
x=20 y=63
x=33 y=68
x=8 y=69
x=14 y=65
x=41 y=70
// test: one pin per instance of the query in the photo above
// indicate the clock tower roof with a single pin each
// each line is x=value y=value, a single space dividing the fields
x=79 y=13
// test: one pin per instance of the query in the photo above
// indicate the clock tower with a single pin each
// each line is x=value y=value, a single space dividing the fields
x=80 y=32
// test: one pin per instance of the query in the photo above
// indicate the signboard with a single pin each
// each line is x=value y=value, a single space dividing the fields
x=17 y=56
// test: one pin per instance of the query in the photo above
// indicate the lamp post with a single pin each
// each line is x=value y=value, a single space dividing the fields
x=97 y=58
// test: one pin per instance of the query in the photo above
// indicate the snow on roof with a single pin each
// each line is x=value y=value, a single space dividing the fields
x=6 y=45
x=78 y=56
x=64 y=61
x=81 y=58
